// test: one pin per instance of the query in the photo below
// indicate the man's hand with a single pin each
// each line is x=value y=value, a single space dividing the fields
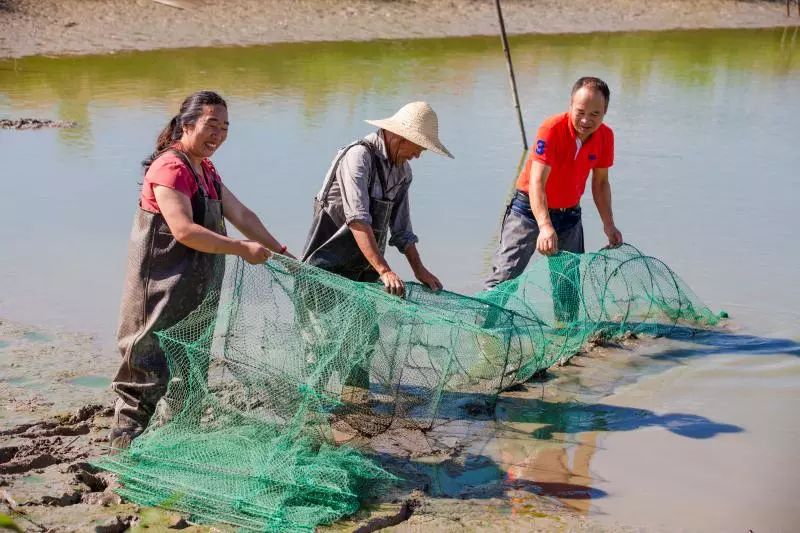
x=614 y=236
x=393 y=283
x=547 y=241
x=424 y=276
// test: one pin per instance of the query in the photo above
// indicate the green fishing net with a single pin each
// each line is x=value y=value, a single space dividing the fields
x=283 y=353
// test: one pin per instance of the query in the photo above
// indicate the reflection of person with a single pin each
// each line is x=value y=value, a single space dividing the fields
x=560 y=469
x=175 y=252
x=556 y=458
x=363 y=198
x=545 y=213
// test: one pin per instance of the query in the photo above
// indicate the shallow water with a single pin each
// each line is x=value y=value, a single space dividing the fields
x=705 y=178
x=92 y=382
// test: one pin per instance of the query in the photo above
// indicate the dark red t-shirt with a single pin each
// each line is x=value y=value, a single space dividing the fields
x=556 y=146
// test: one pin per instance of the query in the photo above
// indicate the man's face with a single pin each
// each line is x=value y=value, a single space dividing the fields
x=586 y=111
x=407 y=150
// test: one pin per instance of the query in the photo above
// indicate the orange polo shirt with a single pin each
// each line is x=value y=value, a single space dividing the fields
x=556 y=146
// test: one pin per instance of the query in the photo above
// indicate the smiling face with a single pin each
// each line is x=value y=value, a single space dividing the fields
x=586 y=111
x=202 y=138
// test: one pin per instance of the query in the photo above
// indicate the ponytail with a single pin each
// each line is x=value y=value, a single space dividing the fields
x=171 y=133
x=191 y=110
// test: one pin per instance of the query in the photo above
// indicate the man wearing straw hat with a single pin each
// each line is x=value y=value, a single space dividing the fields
x=365 y=197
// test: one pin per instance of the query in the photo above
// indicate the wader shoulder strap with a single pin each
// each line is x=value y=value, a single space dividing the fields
x=200 y=189
x=188 y=163
x=377 y=168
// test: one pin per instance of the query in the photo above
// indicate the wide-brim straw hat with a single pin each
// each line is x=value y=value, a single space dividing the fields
x=418 y=123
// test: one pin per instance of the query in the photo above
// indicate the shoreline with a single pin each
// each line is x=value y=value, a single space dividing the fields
x=79 y=27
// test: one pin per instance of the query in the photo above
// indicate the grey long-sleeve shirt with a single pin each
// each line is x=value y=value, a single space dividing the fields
x=353 y=174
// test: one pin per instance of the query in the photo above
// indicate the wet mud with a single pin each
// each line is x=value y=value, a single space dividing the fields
x=34 y=124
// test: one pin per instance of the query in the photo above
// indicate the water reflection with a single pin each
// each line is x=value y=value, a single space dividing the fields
x=550 y=444
x=543 y=441
x=314 y=76
x=529 y=445
x=576 y=417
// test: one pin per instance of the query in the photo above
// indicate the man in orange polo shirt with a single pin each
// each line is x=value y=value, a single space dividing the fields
x=545 y=213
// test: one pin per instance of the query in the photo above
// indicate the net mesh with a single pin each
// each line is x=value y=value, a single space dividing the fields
x=283 y=353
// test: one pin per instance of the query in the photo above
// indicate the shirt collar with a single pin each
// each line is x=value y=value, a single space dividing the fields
x=572 y=133
x=376 y=139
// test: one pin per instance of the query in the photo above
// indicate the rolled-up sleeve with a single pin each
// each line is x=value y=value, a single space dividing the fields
x=354 y=171
x=402 y=232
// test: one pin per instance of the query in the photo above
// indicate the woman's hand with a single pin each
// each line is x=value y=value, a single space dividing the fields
x=253 y=252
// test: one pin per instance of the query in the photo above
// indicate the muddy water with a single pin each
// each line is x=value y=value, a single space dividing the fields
x=664 y=434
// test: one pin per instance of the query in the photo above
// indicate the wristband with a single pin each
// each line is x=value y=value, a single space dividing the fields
x=282 y=250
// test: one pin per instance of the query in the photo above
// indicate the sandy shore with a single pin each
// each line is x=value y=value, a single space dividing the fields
x=32 y=27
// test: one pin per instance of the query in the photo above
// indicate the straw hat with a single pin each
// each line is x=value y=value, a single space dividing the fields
x=418 y=123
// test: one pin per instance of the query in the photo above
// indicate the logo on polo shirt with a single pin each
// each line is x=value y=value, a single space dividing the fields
x=540 y=147
x=592 y=157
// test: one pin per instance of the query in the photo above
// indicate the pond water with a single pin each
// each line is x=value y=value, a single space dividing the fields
x=705 y=178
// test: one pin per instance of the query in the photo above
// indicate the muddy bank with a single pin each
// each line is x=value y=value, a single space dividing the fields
x=34 y=124
x=48 y=484
x=32 y=27
x=55 y=413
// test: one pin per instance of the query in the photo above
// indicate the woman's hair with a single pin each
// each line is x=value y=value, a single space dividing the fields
x=191 y=110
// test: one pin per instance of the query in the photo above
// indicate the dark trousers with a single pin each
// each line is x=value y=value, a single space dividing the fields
x=518 y=243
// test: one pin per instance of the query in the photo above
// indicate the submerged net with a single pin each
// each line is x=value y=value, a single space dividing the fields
x=264 y=370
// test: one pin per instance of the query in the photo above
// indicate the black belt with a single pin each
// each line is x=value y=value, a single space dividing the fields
x=524 y=197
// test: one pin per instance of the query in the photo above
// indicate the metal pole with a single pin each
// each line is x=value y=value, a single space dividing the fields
x=511 y=72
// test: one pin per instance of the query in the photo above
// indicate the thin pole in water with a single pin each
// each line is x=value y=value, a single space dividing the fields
x=511 y=72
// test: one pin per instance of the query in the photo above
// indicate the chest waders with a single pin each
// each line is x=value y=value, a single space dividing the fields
x=165 y=281
x=331 y=245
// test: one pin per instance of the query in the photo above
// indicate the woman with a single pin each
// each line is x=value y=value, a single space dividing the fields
x=176 y=252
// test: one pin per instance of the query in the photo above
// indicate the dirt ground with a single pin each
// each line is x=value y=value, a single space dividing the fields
x=31 y=27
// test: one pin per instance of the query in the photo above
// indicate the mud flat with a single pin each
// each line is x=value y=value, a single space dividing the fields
x=34 y=124
x=33 y=27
